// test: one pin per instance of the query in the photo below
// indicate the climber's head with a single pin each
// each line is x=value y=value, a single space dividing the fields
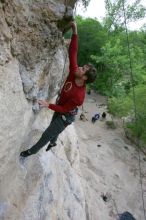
x=87 y=72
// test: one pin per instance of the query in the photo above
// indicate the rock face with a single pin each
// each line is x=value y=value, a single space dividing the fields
x=33 y=65
x=30 y=32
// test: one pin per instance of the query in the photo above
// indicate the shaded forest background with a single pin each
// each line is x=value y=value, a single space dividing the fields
x=120 y=60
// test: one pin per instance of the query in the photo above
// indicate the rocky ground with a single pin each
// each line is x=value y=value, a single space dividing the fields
x=109 y=166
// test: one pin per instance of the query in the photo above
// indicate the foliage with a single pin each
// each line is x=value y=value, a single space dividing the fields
x=91 y=38
x=119 y=10
x=113 y=59
x=127 y=105
x=120 y=106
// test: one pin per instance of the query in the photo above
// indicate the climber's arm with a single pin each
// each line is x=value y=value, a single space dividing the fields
x=70 y=105
x=67 y=107
x=73 y=48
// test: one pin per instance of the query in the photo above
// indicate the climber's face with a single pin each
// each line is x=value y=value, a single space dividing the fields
x=82 y=71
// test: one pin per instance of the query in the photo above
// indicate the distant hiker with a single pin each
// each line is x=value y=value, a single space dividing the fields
x=103 y=115
x=89 y=92
x=95 y=117
x=72 y=95
x=83 y=117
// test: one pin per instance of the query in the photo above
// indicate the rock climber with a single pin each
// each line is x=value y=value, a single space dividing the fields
x=72 y=95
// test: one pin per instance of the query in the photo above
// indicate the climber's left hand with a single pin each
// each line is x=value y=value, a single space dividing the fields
x=43 y=103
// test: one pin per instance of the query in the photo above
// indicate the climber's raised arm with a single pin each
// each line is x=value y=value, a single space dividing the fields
x=73 y=48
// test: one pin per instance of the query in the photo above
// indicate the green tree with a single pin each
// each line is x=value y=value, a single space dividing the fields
x=91 y=38
x=116 y=10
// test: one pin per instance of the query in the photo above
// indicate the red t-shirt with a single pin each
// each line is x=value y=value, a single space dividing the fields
x=71 y=95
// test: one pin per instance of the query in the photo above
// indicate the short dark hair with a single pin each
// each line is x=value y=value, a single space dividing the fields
x=91 y=73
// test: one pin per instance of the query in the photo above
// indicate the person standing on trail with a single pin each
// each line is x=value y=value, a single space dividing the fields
x=72 y=95
x=95 y=117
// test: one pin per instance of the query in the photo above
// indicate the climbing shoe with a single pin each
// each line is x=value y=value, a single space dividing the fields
x=25 y=153
x=50 y=146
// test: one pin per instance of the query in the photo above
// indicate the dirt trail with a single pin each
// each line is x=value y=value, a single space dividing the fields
x=109 y=166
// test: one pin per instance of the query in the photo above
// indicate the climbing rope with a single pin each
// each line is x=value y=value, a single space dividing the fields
x=135 y=108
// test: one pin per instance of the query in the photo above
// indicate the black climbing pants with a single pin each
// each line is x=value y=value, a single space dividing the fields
x=58 y=123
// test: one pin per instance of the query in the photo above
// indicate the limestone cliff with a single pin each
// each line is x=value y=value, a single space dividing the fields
x=33 y=65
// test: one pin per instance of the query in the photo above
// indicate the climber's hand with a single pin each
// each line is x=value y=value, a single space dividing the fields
x=73 y=25
x=43 y=103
